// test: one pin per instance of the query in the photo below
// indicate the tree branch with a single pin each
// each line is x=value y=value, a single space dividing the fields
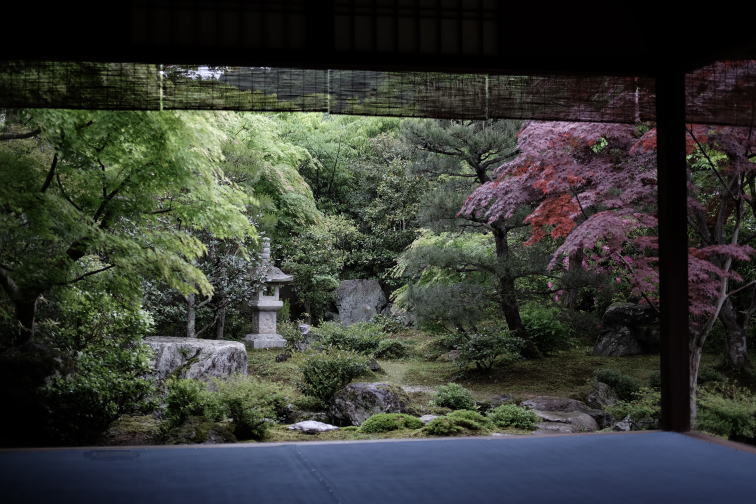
x=50 y=173
x=20 y=136
x=710 y=162
x=85 y=275
x=741 y=288
x=64 y=194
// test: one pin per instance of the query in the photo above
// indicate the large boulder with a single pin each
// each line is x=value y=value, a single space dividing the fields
x=359 y=300
x=197 y=358
x=357 y=402
x=601 y=396
x=563 y=415
x=628 y=329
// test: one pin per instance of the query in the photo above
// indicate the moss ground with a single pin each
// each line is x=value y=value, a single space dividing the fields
x=565 y=374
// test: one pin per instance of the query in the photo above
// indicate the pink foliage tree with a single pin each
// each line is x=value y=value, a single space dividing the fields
x=594 y=186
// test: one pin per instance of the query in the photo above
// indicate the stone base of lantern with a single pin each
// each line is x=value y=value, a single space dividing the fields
x=264 y=341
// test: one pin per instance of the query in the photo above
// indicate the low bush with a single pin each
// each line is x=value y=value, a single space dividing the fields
x=643 y=409
x=390 y=324
x=186 y=398
x=545 y=327
x=708 y=374
x=489 y=347
x=295 y=340
x=654 y=380
x=390 y=349
x=469 y=419
x=250 y=404
x=324 y=374
x=454 y=396
x=727 y=410
x=442 y=426
x=386 y=422
x=623 y=385
x=513 y=416
x=362 y=337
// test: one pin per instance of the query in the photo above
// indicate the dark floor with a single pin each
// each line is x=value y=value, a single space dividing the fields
x=601 y=468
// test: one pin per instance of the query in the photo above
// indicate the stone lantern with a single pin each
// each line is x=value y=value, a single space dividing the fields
x=265 y=303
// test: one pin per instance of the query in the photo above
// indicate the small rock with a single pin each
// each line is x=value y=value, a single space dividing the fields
x=570 y=421
x=561 y=414
x=427 y=418
x=600 y=396
x=374 y=366
x=357 y=402
x=625 y=425
x=418 y=389
x=283 y=357
x=451 y=356
x=312 y=427
x=493 y=402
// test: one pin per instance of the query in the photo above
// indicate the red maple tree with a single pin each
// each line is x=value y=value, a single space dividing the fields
x=594 y=184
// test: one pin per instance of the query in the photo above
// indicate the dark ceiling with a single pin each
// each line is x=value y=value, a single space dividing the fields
x=491 y=36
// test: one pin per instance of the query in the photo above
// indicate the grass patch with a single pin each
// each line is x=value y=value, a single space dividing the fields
x=564 y=374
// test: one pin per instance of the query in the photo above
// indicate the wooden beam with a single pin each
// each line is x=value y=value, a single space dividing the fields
x=673 y=250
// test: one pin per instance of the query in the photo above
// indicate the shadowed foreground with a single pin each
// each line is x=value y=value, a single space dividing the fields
x=648 y=467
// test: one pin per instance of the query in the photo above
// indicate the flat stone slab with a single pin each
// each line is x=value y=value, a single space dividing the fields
x=258 y=341
x=197 y=358
x=312 y=427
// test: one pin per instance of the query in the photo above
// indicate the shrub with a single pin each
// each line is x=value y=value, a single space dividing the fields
x=725 y=409
x=511 y=415
x=250 y=403
x=186 y=397
x=388 y=323
x=469 y=419
x=325 y=373
x=654 y=380
x=100 y=366
x=545 y=328
x=390 y=349
x=249 y=422
x=708 y=374
x=107 y=379
x=454 y=396
x=644 y=408
x=290 y=332
x=362 y=337
x=623 y=385
x=385 y=422
x=442 y=426
x=487 y=347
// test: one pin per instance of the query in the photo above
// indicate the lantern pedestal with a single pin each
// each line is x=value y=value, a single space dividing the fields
x=265 y=305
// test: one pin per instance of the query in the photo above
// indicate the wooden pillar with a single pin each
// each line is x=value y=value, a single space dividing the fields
x=673 y=250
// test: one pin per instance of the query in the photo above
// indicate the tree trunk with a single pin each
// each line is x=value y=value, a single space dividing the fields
x=220 y=325
x=508 y=295
x=576 y=262
x=736 y=351
x=26 y=311
x=694 y=363
x=191 y=316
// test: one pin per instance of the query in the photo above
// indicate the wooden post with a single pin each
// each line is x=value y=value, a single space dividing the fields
x=673 y=250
